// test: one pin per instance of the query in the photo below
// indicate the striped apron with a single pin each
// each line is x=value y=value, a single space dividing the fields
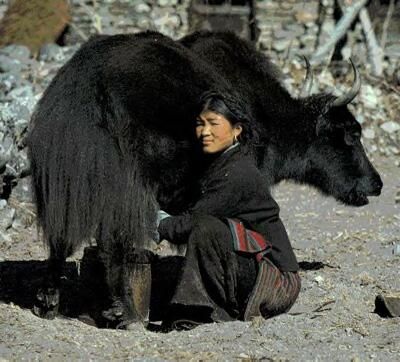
x=274 y=291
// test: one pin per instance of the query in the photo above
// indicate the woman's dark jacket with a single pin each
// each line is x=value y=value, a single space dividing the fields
x=233 y=187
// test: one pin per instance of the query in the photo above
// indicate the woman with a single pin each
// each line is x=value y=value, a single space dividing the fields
x=239 y=262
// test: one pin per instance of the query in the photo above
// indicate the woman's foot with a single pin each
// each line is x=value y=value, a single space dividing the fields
x=185 y=318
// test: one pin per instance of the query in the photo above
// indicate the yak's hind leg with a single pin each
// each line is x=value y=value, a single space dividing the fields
x=48 y=296
x=128 y=279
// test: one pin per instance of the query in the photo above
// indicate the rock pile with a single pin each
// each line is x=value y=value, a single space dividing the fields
x=170 y=17
x=22 y=82
x=289 y=28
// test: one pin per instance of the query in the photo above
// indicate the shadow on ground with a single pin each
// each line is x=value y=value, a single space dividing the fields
x=83 y=291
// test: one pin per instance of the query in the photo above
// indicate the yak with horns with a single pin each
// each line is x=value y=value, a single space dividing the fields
x=111 y=142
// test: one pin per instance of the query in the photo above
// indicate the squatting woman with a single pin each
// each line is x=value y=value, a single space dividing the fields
x=239 y=262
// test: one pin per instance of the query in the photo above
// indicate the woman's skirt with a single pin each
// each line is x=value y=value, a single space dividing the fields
x=221 y=284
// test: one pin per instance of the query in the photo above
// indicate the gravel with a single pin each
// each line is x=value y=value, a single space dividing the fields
x=332 y=320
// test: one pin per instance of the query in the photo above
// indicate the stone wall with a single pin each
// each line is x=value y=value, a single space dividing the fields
x=127 y=16
x=287 y=27
x=292 y=27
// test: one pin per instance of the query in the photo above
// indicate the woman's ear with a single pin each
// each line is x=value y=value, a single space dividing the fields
x=237 y=129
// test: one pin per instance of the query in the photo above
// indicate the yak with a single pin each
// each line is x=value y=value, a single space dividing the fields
x=111 y=142
x=313 y=139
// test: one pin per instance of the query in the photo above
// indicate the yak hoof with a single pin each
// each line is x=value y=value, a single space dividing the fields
x=128 y=325
x=47 y=303
x=119 y=317
x=115 y=313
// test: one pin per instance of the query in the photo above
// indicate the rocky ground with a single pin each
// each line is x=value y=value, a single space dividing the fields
x=333 y=318
x=357 y=249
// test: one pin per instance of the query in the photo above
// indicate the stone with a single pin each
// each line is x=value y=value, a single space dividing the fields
x=393 y=51
x=69 y=51
x=20 y=130
x=281 y=45
x=305 y=17
x=390 y=126
x=143 y=22
x=15 y=51
x=293 y=27
x=369 y=96
x=4 y=158
x=9 y=65
x=142 y=8
x=6 y=146
x=164 y=3
x=369 y=133
x=164 y=21
x=360 y=118
x=9 y=81
x=12 y=111
x=282 y=34
x=22 y=191
x=25 y=103
x=3 y=204
x=51 y=52
x=387 y=306
x=21 y=92
x=319 y=279
x=7 y=215
x=365 y=278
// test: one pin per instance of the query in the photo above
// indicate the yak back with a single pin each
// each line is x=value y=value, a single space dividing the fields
x=258 y=81
x=111 y=134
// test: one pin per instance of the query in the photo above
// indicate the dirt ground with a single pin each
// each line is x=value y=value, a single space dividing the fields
x=333 y=318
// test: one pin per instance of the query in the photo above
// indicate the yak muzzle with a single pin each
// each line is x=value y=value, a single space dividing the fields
x=371 y=186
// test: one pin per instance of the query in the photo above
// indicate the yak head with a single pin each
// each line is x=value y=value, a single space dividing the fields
x=334 y=158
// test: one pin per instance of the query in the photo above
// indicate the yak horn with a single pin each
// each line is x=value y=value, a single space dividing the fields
x=351 y=94
x=308 y=80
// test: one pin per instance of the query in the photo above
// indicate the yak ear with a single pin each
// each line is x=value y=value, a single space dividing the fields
x=350 y=138
x=324 y=124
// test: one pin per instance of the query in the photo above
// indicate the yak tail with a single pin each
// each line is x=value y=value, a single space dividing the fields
x=84 y=184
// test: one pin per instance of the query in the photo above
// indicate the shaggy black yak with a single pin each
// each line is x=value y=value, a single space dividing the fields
x=313 y=139
x=111 y=142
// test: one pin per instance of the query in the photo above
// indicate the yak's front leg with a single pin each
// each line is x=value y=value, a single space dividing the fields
x=137 y=286
x=48 y=296
x=128 y=278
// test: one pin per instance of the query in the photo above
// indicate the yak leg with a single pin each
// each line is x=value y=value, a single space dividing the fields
x=137 y=283
x=128 y=278
x=48 y=297
x=111 y=259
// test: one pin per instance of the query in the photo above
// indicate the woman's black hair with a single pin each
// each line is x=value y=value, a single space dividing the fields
x=232 y=108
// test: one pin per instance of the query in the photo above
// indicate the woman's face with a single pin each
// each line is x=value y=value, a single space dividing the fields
x=215 y=132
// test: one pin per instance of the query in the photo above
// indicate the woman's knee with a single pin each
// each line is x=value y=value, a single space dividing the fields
x=208 y=229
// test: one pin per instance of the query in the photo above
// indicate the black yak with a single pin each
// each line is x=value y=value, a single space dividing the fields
x=111 y=143
x=313 y=139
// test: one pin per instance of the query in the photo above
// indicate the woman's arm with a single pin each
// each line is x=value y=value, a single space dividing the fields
x=227 y=194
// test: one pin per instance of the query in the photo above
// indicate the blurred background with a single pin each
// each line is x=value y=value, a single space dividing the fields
x=38 y=36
